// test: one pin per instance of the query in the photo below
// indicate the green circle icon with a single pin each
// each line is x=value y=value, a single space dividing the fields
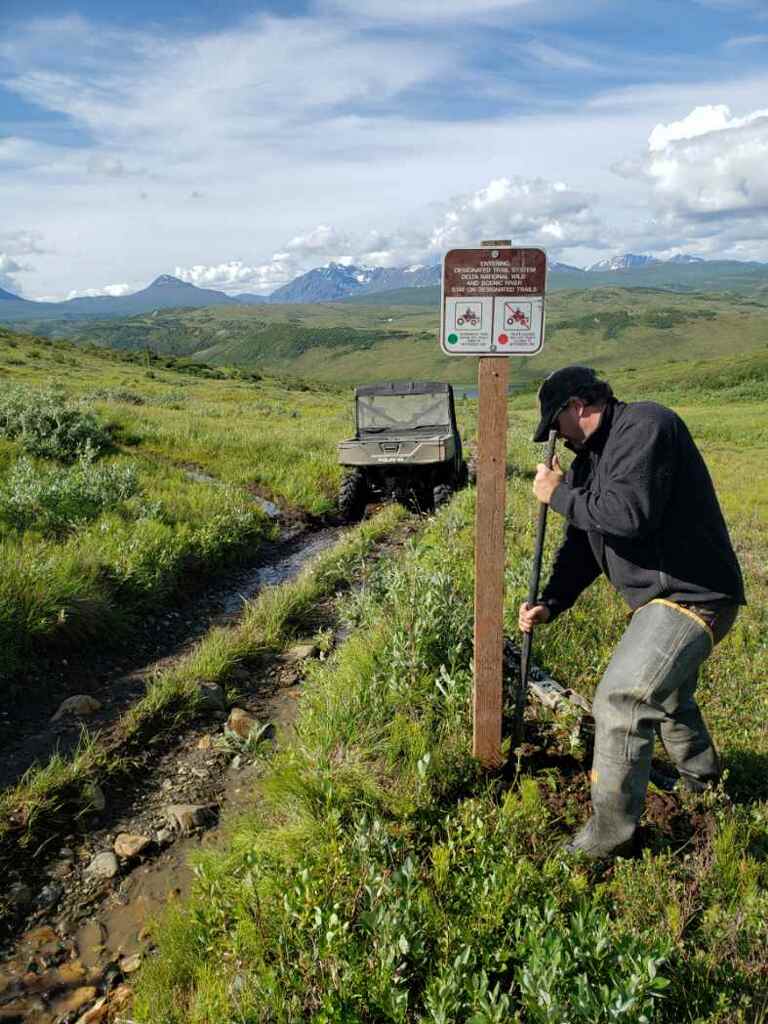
x=452 y=339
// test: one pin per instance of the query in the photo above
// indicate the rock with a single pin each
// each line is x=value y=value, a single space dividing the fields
x=241 y=723
x=164 y=836
x=130 y=964
x=97 y=1013
x=80 y=704
x=71 y=973
x=212 y=697
x=41 y=936
x=60 y=869
x=240 y=675
x=95 y=796
x=129 y=846
x=74 y=1001
x=300 y=652
x=186 y=817
x=50 y=894
x=205 y=743
x=103 y=865
x=121 y=997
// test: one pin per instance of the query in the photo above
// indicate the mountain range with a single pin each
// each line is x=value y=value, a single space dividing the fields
x=338 y=281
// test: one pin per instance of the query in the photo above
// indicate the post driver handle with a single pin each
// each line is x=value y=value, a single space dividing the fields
x=533 y=593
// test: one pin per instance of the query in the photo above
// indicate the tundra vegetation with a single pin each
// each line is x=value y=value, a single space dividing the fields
x=123 y=479
x=380 y=875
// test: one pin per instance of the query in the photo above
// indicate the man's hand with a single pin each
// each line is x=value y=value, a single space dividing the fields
x=547 y=481
x=532 y=615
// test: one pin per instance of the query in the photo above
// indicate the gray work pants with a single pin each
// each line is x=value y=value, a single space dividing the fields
x=648 y=689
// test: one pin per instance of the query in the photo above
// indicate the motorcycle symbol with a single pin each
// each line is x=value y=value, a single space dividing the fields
x=469 y=317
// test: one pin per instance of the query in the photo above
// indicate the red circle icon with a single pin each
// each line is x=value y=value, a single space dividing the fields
x=503 y=339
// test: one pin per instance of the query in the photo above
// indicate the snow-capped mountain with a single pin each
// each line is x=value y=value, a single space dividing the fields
x=627 y=261
x=340 y=280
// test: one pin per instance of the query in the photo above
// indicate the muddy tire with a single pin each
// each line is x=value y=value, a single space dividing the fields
x=441 y=494
x=463 y=478
x=353 y=496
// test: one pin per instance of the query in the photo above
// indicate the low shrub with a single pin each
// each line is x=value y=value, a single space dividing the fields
x=47 y=424
x=53 y=500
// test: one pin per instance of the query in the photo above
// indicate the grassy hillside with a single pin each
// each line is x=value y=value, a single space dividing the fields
x=611 y=328
x=381 y=877
x=105 y=505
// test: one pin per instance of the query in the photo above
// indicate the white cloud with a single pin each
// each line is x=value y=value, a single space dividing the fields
x=108 y=289
x=8 y=269
x=529 y=211
x=711 y=164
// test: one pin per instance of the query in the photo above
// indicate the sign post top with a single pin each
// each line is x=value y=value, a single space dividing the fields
x=493 y=300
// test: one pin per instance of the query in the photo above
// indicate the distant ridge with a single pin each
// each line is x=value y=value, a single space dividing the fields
x=415 y=285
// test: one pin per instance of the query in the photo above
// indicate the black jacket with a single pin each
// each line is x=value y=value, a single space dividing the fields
x=640 y=506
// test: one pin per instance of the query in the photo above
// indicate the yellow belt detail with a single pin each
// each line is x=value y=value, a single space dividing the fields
x=683 y=611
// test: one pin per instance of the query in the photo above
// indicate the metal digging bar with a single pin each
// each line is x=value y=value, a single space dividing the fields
x=533 y=593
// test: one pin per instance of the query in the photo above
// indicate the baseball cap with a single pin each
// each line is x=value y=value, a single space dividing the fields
x=556 y=391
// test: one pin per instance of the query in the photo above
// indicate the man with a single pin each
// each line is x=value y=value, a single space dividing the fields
x=640 y=507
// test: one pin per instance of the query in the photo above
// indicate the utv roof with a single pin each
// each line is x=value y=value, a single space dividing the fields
x=404 y=387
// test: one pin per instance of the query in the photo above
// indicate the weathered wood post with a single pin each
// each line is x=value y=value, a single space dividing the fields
x=492 y=307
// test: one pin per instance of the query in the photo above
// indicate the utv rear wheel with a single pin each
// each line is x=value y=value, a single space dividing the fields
x=353 y=496
x=440 y=495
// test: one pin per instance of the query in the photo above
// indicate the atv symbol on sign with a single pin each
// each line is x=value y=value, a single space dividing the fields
x=517 y=316
x=470 y=317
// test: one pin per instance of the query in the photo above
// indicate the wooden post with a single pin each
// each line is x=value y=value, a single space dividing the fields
x=493 y=375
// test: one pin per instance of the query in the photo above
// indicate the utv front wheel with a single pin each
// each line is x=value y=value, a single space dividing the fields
x=440 y=495
x=353 y=496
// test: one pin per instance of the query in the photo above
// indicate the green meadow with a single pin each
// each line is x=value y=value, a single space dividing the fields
x=380 y=875
x=351 y=342
x=122 y=478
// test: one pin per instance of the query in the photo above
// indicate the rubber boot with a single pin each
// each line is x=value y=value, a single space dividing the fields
x=659 y=653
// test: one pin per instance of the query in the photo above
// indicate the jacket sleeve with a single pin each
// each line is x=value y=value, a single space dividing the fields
x=574 y=568
x=630 y=499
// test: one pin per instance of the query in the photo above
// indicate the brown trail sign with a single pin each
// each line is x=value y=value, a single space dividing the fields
x=492 y=306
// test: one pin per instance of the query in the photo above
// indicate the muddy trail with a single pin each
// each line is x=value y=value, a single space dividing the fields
x=115 y=677
x=83 y=913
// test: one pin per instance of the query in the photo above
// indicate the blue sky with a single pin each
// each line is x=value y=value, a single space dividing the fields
x=238 y=144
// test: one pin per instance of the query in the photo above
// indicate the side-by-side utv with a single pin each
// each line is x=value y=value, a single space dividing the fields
x=406 y=447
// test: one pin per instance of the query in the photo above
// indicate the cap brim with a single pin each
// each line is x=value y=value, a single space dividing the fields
x=543 y=429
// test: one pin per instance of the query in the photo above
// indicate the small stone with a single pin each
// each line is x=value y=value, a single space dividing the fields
x=130 y=964
x=71 y=973
x=121 y=997
x=97 y=1013
x=164 y=836
x=129 y=846
x=80 y=704
x=186 y=817
x=103 y=865
x=241 y=723
x=205 y=743
x=40 y=936
x=75 y=1001
x=212 y=697
x=300 y=652
x=50 y=894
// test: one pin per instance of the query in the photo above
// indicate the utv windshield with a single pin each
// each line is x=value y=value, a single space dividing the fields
x=376 y=413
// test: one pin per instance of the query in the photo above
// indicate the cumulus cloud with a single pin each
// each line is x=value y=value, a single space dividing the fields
x=9 y=267
x=710 y=164
x=529 y=211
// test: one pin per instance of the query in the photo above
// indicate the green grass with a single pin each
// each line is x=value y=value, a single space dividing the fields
x=381 y=876
x=51 y=797
x=351 y=342
x=91 y=546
